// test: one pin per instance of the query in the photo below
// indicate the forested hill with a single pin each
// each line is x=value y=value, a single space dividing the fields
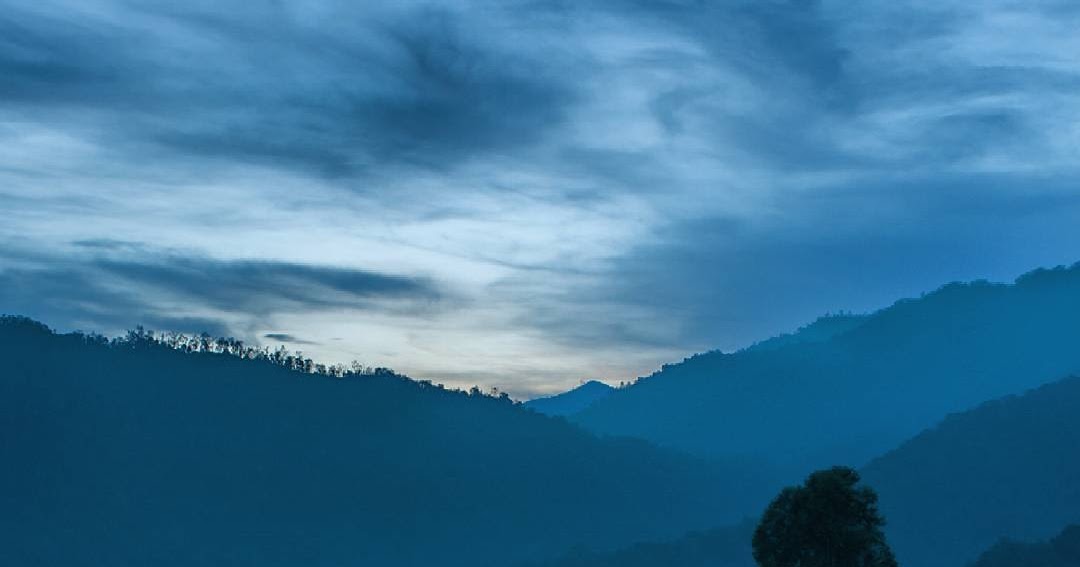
x=135 y=453
x=849 y=396
x=1008 y=468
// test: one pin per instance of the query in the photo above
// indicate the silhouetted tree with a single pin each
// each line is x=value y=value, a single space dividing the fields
x=829 y=521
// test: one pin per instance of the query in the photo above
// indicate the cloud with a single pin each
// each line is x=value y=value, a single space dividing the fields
x=71 y=299
x=165 y=290
x=536 y=189
x=263 y=287
x=419 y=85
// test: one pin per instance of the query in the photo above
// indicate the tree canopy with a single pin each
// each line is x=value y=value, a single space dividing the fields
x=829 y=521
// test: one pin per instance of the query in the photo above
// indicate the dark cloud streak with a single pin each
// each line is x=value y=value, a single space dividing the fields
x=263 y=287
x=287 y=338
x=123 y=288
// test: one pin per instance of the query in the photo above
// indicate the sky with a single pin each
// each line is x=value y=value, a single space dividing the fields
x=525 y=194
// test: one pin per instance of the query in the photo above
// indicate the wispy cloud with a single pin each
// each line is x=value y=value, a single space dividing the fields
x=533 y=190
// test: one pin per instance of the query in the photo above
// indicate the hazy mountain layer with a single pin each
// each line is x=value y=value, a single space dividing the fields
x=1008 y=468
x=848 y=396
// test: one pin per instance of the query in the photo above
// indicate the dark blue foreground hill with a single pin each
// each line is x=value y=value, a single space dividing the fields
x=133 y=453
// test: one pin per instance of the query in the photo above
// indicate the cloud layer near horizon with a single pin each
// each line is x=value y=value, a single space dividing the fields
x=525 y=193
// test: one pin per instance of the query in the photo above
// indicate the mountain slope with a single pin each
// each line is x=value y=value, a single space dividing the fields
x=1008 y=468
x=1062 y=551
x=858 y=393
x=820 y=331
x=133 y=453
x=571 y=401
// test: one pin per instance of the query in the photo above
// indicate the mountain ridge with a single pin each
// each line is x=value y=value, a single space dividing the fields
x=895 y=373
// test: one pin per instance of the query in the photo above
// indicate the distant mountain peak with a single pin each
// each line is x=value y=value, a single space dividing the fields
x=571 y=401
